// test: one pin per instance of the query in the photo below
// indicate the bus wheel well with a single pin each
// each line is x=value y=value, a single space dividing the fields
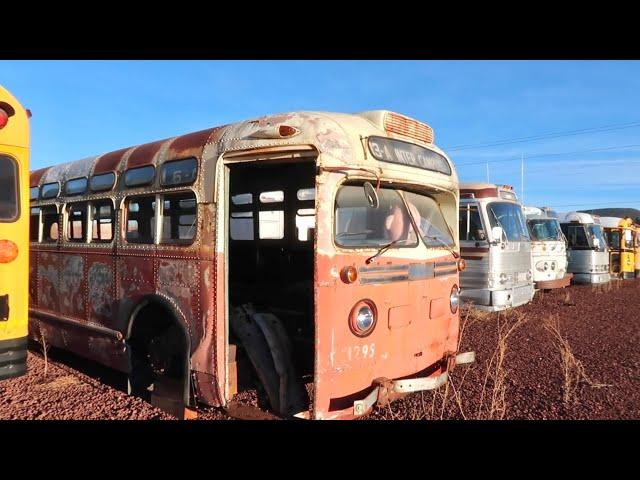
x=159 y=355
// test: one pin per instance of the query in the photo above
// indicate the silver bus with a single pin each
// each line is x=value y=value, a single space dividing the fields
x=548 y=249
x=587 y=253
x=496 y=246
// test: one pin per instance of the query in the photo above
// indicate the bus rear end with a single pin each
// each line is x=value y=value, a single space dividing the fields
x=14 y=233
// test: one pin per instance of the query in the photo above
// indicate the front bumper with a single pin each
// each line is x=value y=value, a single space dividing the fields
x=591 y=277
x=557 y=283
x=13 y=357
x=386 y=389
x=628 y=275
x=496 y=300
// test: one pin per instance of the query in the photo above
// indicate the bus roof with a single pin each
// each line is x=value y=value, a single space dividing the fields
x=578 y=217
x=16 y=131
x=611 y=222
x=338 y=136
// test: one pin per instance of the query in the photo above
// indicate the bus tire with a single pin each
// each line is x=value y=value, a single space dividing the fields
x=159 y=360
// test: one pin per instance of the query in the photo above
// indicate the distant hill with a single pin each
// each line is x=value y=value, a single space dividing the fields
x=616 y=212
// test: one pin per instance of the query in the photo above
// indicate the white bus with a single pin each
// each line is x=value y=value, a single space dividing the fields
x=587 y=253
x=548 y=249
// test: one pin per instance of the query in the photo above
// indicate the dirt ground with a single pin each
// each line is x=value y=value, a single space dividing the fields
x=570 y=354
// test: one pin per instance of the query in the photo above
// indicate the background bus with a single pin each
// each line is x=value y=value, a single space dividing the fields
x=548 y=249
x=14 y=235
x=620 y=236
x=587 y=253
x=495 y=243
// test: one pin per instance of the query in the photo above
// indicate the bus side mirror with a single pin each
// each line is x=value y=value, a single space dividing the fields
x=497 y=234
x=371 y=194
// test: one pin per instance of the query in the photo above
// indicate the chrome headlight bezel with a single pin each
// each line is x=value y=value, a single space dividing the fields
x=363 y=318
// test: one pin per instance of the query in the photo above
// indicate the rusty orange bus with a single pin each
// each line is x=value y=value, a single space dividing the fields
x=14 y=235
x=312 y=256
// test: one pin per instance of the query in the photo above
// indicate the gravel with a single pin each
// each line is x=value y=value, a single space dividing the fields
x=600 y=326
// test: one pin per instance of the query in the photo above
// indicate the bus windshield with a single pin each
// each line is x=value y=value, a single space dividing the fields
x=544 y=229
x=429 y=219
x=509 y=217
x=357 y=224
x=596 y=237
x=613 y=238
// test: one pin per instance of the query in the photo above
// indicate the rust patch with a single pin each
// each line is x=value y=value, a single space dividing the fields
x=144 y=154
x=190 y=145
x=100 y=290
x=36 y=176
x=109 y=162
x=274 y=119
x=71 y=295
x=47 y=283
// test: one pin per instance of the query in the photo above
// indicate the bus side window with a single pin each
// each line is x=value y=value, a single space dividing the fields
x=102 y=220
x=141 y=219
x=470 y=227
x=77 y=222
x=34 y=225
x=241 y=221
x=179 y=222
x=306 y=215
x=49 y=224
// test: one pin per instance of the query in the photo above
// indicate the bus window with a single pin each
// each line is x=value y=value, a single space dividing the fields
x=241 y=226
x=305 y=223
x=179 y=172
x=576 y=236
x=470 y=226
x=77 y=222
x=179 y=218
x=102 y=221
x=33 y=193
x=105 y=181
x=141 y=219
x=77 y=186
x=136 y=177
x=49 y=224
x=359 y=225
x=34 y=225
x=9 y=206
x=271 y=224
x=50 y=190
x=306 y=194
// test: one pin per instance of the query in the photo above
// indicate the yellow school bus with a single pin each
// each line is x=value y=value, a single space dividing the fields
x=14 y=235
x=619 y=233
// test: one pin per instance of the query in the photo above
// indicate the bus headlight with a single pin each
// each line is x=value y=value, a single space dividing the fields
x=454 y=299
x=503 y=278
x=362 y=318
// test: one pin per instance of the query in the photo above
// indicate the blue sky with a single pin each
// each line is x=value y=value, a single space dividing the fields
x=82 y=108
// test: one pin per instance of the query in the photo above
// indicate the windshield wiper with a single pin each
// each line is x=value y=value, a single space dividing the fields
x=382 y=249
x=447 y=246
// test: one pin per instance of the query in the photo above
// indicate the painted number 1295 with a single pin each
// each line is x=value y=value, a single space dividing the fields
x=356 y=352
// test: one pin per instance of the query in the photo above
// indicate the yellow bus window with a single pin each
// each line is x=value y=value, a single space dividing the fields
x=9 y=206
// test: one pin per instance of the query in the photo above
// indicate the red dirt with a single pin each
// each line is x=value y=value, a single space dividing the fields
x=601 y=326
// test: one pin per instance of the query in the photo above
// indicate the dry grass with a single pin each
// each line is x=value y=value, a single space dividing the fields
x=492 y=402
x=567 y=300
x=573 y=370
x=45 y=351
x=496 y=374
x=60 y=383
